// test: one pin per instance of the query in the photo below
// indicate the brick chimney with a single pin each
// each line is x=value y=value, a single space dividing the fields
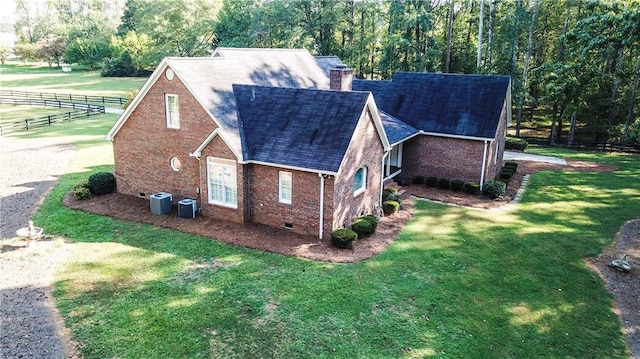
x=340 y=78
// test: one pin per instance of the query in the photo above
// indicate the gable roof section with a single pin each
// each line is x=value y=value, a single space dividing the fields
x=329 y=62
x=300 y=128
x=210 y=81
x=447 y=104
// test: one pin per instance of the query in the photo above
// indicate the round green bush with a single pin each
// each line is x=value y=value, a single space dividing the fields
x=387 y=192
x=506 y=175
x=81 y=184
x=102 y=183
x=511 y=164
x=394 y=197
x=390 y=207
x=344 y=238
x=457 y=185
x=419 y=180
x=444 y=183
x=432 y=181
x=373 y=220
x=472 y=188
x=81 y=193
x=512 y=143
x=363 y=227
x=494 y=189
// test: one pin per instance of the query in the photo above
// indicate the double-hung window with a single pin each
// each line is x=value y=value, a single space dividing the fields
x=285 y=187
x=223 y=188
x=172 y=110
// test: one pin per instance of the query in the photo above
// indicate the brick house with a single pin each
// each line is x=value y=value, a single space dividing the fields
x=289 y=140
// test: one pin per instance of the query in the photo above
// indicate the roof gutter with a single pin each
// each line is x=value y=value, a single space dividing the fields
x=473 y=138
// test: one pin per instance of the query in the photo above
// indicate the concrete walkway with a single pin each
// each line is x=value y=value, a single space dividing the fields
x=521 y=156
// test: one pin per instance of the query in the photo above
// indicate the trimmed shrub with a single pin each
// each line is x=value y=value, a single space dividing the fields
x=494 y=189
x=432 y=181
x=444 y=183
x=506 y=175
x=419 y=180
x=387 y=192
x=472 y=188
x=390 y=207
x=394 y=197
x=518 y=144
x=373 y=220
x=102 y=183
x=344 y=238
x=511 y=164
x=457 y=185
x=81 y=193
x=364 y=227
x=81 y=184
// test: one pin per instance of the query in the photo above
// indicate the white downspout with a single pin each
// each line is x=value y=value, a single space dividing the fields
x=384 y=172
x=321 y=229
x=484 y=164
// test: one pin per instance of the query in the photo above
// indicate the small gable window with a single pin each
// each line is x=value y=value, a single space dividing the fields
x=223 y=188
x=285 y=187
x=173 y=110
x=360 y=181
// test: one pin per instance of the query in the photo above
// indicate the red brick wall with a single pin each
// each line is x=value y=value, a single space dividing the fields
x=304 y=211
x=442 y=157
x=144 y=145
x=365 y=150
x=217 y=148
x=454 y=158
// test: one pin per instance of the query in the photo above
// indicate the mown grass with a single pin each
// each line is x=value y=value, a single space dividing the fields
x=456 y=283
x=12 y=113
x=39 y=78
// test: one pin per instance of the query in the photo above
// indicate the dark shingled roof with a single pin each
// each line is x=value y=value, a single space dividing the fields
x=304 y=128
x=460 y=105
x=396 y=130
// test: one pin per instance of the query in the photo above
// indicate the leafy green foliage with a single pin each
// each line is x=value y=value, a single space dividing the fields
x=81 y=190
x=365 y=226
x=494 y=189
x=513 y=143
x=457 y=185
x=102 y=183
x=390 y=207
x=444 y=183
x=431 y=181
x=88 y=52
x=388 y=192
x=344 y=238
x=472 y=187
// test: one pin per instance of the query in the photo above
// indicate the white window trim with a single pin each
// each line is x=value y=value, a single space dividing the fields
x=175 y=125
x=362 y=188
x=282 y=177
x=230 y=165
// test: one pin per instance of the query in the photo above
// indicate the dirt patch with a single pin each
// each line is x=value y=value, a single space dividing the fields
x=625 y=287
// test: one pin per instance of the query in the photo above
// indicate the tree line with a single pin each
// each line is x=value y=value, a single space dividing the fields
x=574 y=63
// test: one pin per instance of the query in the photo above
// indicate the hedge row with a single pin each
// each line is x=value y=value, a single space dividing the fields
x=445 y=183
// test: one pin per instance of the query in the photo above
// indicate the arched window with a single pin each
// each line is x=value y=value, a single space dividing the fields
x=360 y=181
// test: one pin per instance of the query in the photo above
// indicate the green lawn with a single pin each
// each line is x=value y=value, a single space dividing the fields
x=456 y=283
x=12 y=113
x=38 y=78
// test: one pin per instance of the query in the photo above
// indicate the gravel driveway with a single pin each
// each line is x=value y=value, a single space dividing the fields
x=30 y=326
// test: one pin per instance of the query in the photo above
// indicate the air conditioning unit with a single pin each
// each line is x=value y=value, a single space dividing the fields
x=187 y=208
x=161 y=203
